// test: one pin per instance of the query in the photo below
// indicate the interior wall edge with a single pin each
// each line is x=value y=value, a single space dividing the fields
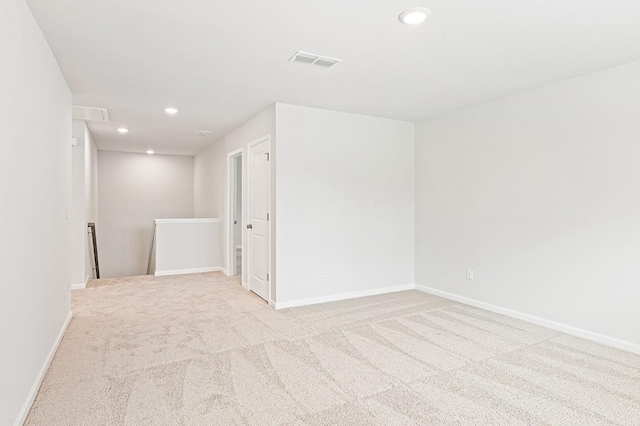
x=36 y=385
x=553 y=325
x=342 y=296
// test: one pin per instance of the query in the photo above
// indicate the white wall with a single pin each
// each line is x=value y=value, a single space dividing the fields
x=84 y=202
x=210 y=173
x=540 y=195
x=209 y=180
x=77 y=206
x=345 y=202
x=134 y=189
x=35 y=189
x=90 y=198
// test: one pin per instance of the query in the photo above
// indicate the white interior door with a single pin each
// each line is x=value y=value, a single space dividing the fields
x=258 y=218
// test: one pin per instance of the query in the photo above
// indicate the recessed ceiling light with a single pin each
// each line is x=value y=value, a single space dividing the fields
x=171 y=110
x=150 y=151
x=414 y=16
x=123 y=130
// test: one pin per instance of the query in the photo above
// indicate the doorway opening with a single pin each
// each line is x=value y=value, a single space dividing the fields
x=235 y=214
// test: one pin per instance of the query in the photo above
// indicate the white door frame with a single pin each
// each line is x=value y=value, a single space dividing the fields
x=231 y=186
x=265 y=138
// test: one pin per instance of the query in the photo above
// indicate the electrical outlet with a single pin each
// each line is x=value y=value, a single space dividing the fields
x=470 y=274
x=325 y=273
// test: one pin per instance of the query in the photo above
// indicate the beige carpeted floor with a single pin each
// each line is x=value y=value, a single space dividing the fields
x=200 y=350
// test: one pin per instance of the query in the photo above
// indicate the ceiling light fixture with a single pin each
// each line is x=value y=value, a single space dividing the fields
x=150 y=151
x=171 y=110
x=414 y=16
x=123 y=130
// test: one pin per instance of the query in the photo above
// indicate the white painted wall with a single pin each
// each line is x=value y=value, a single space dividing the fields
x=185 y=246
x=539 y=193
x=209 y=180
x=210 y=173
x=133 y=190
x=345 y=202
x=90 y=198
x=35 y=190
x=77 y=208
x=84 y=202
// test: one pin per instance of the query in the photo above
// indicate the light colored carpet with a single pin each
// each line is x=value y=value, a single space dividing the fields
x=200 y=350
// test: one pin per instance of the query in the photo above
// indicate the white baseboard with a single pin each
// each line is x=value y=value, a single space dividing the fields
x=81 y=286
x=564 y=328
x=187 y=271
x=343 y=296
x=86 y=280
x=245 y=285
x=224 y=271
x=36 y=385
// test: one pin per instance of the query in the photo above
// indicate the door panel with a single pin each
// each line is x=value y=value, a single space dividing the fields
x=259 y=201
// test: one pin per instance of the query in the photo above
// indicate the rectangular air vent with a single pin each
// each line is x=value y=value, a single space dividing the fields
x=204 y=133
x=313 y=59
x=89 y=113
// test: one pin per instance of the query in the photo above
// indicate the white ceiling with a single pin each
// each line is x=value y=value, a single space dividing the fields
x=222 y=61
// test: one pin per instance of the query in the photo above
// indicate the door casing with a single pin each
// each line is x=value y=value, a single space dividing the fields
x=231 y=194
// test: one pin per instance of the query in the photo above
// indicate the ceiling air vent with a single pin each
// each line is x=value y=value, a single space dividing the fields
x=89 y=113
x=313 y=59
x=204 y=133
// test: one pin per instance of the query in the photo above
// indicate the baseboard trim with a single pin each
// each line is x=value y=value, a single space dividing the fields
x=36 y=385
x=343 y=296
x=78 y=286
x=187 y=271
x=224 y=271
x=564 y=328
x=245 y=285
x=86 y=280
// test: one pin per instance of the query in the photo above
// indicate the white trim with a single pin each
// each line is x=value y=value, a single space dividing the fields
x=36 y=385
x=564 y=328
x=231 y=180
x=343 y=296
x=187 y=271
x=246 y=259
x=86 y=280
x=224 y=271
x=81 y=286
x=246 y=286
x=187 y=221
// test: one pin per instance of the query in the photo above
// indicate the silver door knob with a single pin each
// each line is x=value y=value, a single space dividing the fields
x=249 y=226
